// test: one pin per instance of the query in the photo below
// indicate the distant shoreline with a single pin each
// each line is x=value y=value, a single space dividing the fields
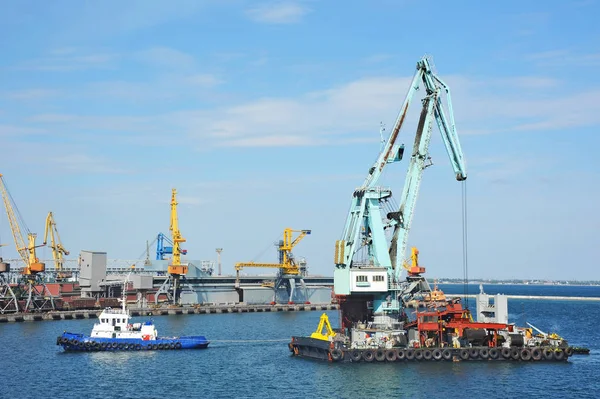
x=528 y=284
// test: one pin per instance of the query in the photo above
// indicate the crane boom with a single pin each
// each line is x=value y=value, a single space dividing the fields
x=13 y=222
x=27 y=252
x=176 y=268
x=367 y=223
x=58 y=251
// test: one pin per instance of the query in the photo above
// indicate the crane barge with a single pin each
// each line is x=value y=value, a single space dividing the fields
x=385 y=317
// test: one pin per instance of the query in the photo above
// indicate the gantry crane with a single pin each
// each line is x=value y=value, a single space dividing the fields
x=176 y=271
x=58 y=251
x=370 y=255
x=288 y=268
x=34 y=288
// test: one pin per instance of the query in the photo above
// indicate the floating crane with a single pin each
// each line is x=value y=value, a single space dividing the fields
x=370 y=256
x=58 y=251
x=288 y=268
x=37 y=295
x=176 y=270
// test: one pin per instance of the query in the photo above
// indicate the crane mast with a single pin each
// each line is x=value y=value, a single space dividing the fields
x=176 y=271
x=58 y=251
x=33 y=287
x=288 y=268
x=370 y=254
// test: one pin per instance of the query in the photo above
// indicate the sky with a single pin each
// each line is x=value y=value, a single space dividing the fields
x=266 y=115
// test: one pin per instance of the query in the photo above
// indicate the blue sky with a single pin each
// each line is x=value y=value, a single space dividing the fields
x=265 y=115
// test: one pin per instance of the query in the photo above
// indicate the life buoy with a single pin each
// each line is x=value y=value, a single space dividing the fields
x=145 y=337
x=505 y=353
x=548 y=354
x=536 y=354
x=380 y=355
x=436 y=354
x=337 y=354
x=410 y=354
x=525 y=354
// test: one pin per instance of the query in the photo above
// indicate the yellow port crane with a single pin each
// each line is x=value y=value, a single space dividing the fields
x=288 y=268
x=35 y=289
x=176 y=271
x=58 y=251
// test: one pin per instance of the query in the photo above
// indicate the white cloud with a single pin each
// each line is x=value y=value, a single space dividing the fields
x=285 y=12
x=348 y=113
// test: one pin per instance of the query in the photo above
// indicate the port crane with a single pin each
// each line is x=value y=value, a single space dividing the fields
x=58 y=250
x=369 y=257
x=162 y=250
x=289 y=269
x=33 y=287
x=176 y=270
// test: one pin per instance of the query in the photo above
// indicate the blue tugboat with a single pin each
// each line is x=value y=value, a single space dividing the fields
x=114 y=332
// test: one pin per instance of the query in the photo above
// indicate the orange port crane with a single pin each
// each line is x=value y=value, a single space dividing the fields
x=38 y=295
x=288 y=268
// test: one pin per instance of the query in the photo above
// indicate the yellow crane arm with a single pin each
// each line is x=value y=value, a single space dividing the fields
x=14 y=224
x=286 y=269
x=55 y=243
x=323 y=323
x=176 y=267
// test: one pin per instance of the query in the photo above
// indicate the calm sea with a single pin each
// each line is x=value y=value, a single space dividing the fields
x=241 y=362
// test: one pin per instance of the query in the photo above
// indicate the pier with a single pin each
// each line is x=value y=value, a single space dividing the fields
x=167 y=311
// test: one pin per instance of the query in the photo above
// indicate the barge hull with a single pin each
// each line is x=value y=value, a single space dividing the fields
x=330 y=351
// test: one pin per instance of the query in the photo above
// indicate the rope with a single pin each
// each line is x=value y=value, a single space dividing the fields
x=464 y=243
x=250 y=340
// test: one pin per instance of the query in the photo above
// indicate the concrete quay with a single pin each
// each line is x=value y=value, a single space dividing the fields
x=165 y=311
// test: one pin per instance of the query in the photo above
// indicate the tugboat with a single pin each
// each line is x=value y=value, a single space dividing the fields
x=115 y=332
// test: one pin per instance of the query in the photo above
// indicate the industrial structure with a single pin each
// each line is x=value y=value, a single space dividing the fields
x=32 y=287
x=58 y=250
x=176 y=270
x=369 y=258
x=387 y=318
x=289 y=271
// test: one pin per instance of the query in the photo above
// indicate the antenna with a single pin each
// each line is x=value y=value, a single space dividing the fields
x=381 y=130
x=219 y=250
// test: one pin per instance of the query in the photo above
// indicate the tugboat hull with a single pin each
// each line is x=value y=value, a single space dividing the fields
x=79 y=342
